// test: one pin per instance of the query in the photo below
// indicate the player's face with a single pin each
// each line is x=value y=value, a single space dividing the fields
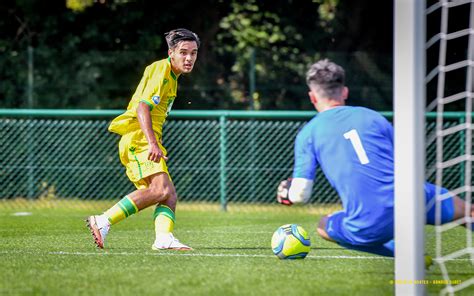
x=183 y=56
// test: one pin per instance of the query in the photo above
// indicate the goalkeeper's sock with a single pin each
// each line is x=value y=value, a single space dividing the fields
x=164 y=219
x=121 y=210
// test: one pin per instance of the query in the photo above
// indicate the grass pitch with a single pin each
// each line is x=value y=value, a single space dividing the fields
x=51 y=253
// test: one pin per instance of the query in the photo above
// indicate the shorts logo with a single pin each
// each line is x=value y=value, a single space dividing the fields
x=156 y=99
x=329 y=227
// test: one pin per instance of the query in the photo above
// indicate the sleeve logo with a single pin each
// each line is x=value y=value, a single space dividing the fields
x=156 y=99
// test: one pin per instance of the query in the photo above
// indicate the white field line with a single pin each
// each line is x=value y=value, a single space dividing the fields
x=197 y=254
x=187 y=254
x=165 y=253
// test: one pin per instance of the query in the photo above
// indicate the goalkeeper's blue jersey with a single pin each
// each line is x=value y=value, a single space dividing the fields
x=354 y=148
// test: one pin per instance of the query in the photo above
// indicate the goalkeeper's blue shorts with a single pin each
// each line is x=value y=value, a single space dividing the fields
x=378 y=237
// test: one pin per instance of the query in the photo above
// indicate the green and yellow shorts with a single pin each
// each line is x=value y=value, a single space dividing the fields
x=133 y=151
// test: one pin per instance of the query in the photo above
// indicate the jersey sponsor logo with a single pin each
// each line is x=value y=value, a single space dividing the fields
x=156 y=99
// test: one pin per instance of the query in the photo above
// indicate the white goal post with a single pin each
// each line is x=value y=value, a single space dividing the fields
x=453 y=43
x=409 y=142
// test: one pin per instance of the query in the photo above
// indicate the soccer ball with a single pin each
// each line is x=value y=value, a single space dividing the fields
x=291 y=241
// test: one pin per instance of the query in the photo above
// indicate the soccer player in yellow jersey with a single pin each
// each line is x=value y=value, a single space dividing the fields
x=140 y=147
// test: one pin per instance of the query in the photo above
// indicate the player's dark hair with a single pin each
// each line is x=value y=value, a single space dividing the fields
x=173 y=37
x=327 y=78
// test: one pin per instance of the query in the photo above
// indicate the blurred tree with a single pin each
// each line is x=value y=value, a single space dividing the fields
x=91 y=54
x=79 y=5
x=249 y=27
x=327 y=12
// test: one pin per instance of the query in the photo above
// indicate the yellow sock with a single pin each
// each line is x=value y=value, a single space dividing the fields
x=164 y=219
x=121 y=210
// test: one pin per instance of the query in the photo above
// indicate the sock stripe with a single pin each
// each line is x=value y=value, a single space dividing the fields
x=124 y=210
x=121 y=210
x=167 y=215
x=129 y=205
x=164 y=210
x=164 y=219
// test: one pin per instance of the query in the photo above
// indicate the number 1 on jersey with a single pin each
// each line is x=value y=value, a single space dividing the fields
x=353 y=136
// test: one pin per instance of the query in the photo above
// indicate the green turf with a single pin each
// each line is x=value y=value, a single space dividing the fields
x=51 y=253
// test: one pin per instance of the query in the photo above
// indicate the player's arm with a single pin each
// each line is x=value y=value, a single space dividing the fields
x=294 y=190
x=389 y=130
x=299 y=188
x=144 y=118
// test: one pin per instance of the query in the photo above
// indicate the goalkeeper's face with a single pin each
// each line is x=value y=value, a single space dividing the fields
x=183 y=56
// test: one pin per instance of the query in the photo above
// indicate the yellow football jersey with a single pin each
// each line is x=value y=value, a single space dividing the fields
x=157 y=89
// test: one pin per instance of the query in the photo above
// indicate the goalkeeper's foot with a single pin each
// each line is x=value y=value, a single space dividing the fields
x=99 y=227
x=167 y=241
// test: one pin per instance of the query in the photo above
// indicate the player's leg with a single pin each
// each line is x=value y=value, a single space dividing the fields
x=156 y=189
x=159 y=191
x=331 y=228
x=452 y=208
x=134 y=156
x=164 y=215
x=99 y=225
x=130 y=204
x=460 y=210
x=321 y=229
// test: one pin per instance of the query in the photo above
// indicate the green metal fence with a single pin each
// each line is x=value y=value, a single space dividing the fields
x=216 y=157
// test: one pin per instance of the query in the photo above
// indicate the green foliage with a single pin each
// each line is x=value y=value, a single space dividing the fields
x=277 y=43
x=77 y=63
x=79 y=5
x=327 y=12
x=91 y=54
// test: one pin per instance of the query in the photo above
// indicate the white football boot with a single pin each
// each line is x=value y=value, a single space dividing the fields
x=167 y=241
x=99 y=227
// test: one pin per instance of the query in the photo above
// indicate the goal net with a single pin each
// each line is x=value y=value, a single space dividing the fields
x=450 y=82
x=433 y=76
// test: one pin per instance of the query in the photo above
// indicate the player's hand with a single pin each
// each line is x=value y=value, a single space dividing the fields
x=155 y=154
x=283 y=192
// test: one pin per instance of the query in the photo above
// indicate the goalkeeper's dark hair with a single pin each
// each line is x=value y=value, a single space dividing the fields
x=173 y=37
x=327 y=78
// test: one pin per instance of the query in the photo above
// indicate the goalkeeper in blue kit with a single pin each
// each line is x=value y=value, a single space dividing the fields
x=354 y=148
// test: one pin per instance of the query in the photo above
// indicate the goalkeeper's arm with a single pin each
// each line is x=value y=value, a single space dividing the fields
x=296 y=190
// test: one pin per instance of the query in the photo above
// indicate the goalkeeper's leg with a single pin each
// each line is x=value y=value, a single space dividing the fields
x=461 y=211
x=452 y=208
x=330 y=228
